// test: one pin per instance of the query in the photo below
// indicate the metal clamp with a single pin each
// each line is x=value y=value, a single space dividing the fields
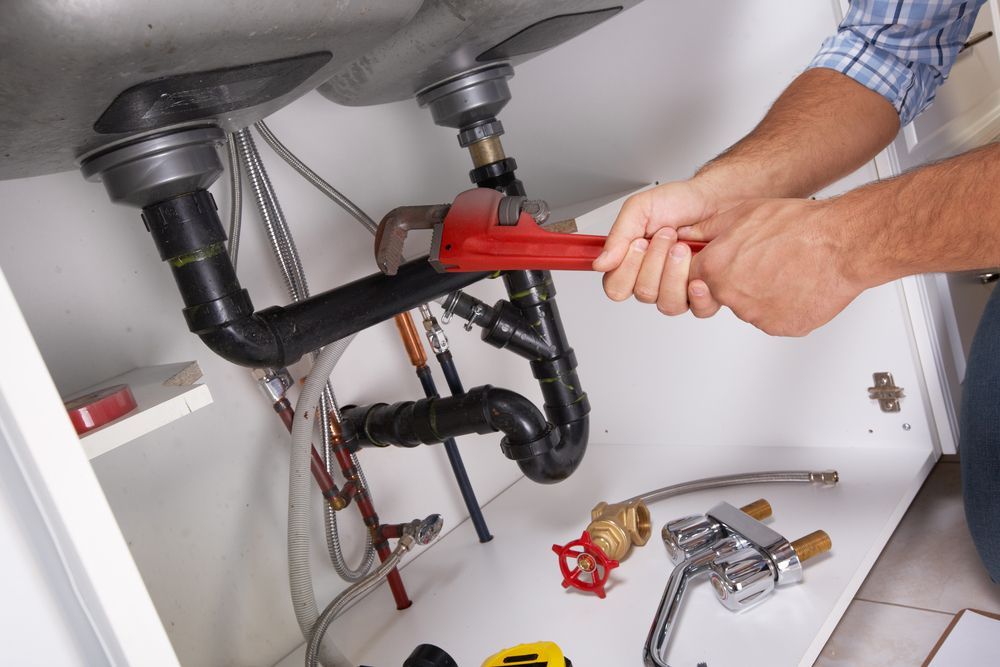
x=435 y=334
x=273 y=382
x=477 y=312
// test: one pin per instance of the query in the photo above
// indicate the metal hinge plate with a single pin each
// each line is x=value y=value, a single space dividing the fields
x=886 y=392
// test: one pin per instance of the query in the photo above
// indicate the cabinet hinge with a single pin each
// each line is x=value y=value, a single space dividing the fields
x=886 y=392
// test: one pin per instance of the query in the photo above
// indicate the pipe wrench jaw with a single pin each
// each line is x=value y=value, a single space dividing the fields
x=486 y=231
x=390 y=238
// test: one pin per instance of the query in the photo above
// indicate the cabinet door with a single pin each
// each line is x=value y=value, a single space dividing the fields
x=966 y=111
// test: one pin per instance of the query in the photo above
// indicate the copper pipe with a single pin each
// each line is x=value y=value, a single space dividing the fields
x=411 y=339
x=323 y=479
x=367 y=509
x=392 y=531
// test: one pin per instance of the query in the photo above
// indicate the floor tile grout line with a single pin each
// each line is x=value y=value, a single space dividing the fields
x=906 y=606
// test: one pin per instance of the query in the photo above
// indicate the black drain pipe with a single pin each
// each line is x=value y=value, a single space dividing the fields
x=532 y=295
x=527 y=434
x=189 y=236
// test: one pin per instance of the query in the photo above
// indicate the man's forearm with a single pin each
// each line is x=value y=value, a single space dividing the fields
x=942 y=217
x=824 y=126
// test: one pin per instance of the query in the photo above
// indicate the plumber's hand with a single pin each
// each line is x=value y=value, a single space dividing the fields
x=783 y=265
x=642 y=257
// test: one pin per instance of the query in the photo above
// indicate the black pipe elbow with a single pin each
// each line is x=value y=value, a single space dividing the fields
x=248 y=341
x=562 y=460
x=527 y=433
x=538 y=458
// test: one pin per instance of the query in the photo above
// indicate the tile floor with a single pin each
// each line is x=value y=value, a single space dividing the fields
x=916 y=587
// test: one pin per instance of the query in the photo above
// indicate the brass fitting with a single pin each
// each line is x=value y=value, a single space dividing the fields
x=813 y=544
x=758 y=509
x=617 y=528
x=486 y=151
x=336 y=428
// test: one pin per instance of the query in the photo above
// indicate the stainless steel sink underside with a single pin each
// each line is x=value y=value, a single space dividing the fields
x=79 y=76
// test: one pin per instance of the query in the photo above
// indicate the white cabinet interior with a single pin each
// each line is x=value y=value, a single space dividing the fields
x=645 y=97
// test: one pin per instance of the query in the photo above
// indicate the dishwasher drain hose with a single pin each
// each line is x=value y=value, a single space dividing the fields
x=299 y=486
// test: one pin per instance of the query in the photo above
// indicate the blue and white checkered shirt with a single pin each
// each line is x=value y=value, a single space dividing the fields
x=901 y=49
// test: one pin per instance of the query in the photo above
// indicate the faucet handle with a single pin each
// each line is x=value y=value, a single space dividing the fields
x=688 y=535
x=743 y=579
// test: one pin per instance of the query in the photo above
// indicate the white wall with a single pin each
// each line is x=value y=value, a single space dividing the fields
x=646 y=97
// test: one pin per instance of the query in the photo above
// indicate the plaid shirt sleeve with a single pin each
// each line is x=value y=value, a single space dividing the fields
x=901 y=49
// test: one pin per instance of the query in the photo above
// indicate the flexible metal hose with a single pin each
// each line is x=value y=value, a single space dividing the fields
x=791 y=476
x=317 y=181
x=290 y=264
x=328 y=403
x=339 y=603
x=298 y=165
x=296 y=275
x=235 y=198
x=261 y=187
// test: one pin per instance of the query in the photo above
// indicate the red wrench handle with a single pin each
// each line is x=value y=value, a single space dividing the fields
x=535 y=250
x=472 y=239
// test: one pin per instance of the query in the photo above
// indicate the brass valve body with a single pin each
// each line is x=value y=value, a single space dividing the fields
x=616 y=528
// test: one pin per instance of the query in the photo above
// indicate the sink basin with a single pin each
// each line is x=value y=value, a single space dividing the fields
x=79 y=76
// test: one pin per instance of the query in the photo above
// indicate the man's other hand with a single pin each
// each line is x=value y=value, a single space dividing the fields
x=783 y=265
x=642 y=257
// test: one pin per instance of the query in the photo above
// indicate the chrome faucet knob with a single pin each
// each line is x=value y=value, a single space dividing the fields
x=743 y=578
x=688 y=535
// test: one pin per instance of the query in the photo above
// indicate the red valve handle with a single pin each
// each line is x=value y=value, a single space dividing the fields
x=580 y=558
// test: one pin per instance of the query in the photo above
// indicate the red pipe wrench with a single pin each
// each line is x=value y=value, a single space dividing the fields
x=483 y=230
